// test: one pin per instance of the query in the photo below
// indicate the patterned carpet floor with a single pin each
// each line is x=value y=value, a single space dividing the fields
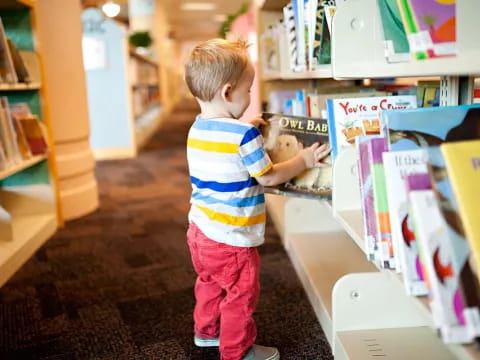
x=118 y=284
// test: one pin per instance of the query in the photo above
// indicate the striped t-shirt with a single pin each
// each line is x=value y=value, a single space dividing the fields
x=224 y=157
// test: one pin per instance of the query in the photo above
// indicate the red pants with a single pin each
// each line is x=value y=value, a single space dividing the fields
x=226 y=291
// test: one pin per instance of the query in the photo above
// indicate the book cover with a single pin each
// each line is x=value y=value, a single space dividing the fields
x=299 y=17
x=289 y=21
x=9 y=135
x=348 y=118
x=7 y=70
x=284 y=137
x=445 y=297
x=398 y=165
x=414 y=128
x=35 y=135
x=435 y=24
x=377 y=146
x=468 y=285
x=366 y=193
x=19 y=65
x=396 y=42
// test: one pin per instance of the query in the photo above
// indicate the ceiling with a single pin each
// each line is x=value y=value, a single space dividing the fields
x=189 y=25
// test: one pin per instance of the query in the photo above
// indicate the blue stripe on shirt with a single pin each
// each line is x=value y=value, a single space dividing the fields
x=235 y=202
x=253 y=157
x=224 y=187
x=213 y=125
x=250 y=135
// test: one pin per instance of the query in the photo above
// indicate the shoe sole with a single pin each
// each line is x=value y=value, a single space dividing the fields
x=206 y=342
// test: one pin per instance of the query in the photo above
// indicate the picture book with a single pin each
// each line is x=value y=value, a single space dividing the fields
x=289 y=20
x=299 y=17
x=351 y=117
x=366 y=194
x=468 y=285
x=414 y=128
x=432 y=25
x=376 y=147
x=284 y=137
x=445 y=298
x=9 y=135
x=398 y=165
x=7 y=69
x=18 y=63
x=395 y=38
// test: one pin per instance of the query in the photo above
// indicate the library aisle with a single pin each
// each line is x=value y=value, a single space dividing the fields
x=118 y=284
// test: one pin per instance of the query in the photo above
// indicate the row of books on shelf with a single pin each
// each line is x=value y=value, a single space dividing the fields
x=419 y=184
x=16 y=66
x=144 y=98
x=300 y=41
x=419 y=174
x=418 y=29
x=22 y=135
x=142 y=72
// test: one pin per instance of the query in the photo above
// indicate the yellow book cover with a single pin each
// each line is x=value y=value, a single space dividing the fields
x=463 y=167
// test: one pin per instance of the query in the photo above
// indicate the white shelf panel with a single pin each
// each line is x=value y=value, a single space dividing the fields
x=320 y=260
x=20 y=86
x=352 y=222
x=323 y=72
x=20 y=167
x=29 y=233
x=415 y=343
x=358 y=24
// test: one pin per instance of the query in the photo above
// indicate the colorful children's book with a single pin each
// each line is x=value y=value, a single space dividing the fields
x=396 y=42
x=398 y=165
x=348 y=118
x=376 y=147
x=463 y=167
x=284 y=137
x=414 y=128
x=430 y=26
x=366 y=193
x=445 y=297
x=468 y=286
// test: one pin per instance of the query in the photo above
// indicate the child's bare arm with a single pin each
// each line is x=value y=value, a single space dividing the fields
x=305 y=159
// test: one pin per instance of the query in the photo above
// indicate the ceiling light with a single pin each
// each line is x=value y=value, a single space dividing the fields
x=194 y=6
x=220 y=17
x=111 y=9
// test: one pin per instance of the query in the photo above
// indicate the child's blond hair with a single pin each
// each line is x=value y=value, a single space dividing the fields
x=213 y=64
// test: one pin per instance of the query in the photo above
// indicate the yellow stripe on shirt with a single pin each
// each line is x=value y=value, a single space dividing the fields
x=234 y=220
x=213 y=146
x=260 y=173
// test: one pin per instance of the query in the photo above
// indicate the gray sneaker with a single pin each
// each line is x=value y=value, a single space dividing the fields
x=202 y=342
x=258 y=352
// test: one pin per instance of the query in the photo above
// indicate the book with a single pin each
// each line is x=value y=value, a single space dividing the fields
x=284 y=137
x=9 y=135
x=463 y=167
x=7 y=69
x=20 y=146
x=35 y=135
x=398 y=165
x=396 y=42
x=19 y=65
x=376 y=147
x=414 y=128
x=468 y=285
x=428 y=93
x=433 y=26
x=351 y=117
x=445 y=298
x=290 y=28
x=366 y=194
x=299 y=17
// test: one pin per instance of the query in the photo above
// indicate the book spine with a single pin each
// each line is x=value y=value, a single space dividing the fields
x=332 y=131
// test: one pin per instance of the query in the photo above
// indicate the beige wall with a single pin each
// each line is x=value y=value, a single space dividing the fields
x=59 y=32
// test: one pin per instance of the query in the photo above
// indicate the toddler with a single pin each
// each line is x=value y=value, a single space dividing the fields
x=228 y=168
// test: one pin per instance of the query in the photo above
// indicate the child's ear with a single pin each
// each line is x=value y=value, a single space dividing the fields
x=226 y=92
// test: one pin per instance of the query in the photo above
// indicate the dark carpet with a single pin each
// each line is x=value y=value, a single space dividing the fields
x=118 y=284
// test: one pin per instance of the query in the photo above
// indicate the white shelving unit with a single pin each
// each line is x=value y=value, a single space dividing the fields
x=323 y=72
x=364 y=311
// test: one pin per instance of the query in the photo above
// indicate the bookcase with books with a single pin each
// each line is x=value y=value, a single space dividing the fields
x=366 y=293
x=28 y=191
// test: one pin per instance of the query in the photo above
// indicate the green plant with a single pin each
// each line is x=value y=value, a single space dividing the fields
x=225 y=27
x=141 y=39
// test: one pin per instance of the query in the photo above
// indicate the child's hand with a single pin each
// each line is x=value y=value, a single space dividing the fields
x=314 y=154
x=257 y=121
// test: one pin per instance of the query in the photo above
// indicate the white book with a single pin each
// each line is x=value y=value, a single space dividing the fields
x=435 y=245
x=397 y=165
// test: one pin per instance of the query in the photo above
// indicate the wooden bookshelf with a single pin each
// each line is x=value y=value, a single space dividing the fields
x=15 y=4
x=20 y=86
x=22 y=166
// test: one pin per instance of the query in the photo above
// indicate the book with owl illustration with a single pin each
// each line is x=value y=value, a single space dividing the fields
x=284 y=137
x=348 y=118
x=399 y=164
x=442 y=274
